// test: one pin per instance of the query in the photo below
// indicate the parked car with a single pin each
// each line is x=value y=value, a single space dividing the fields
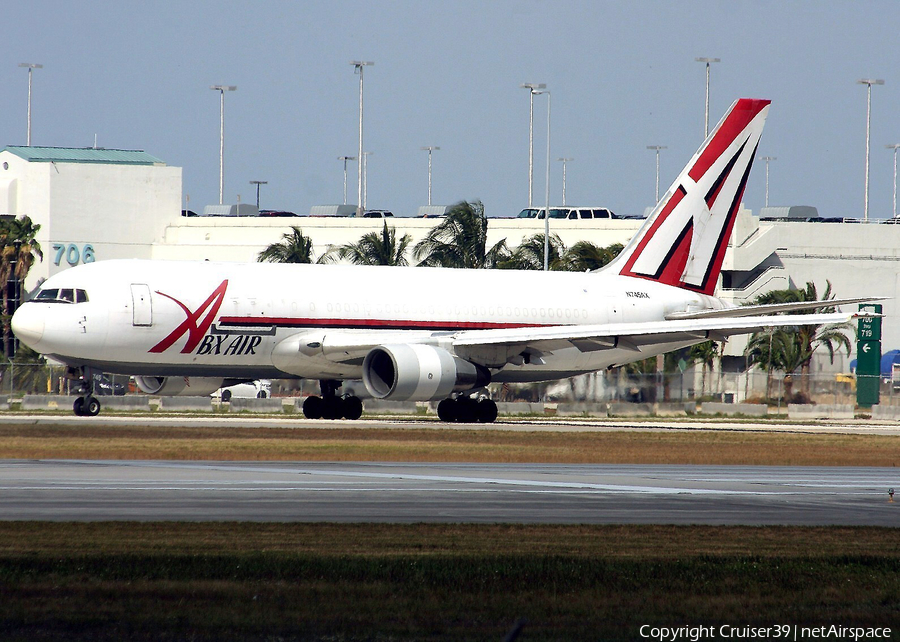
x=259 y=389
x=377 y=214
x=570 y=213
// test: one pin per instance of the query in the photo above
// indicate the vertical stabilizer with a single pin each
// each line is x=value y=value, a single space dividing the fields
x=683 y=241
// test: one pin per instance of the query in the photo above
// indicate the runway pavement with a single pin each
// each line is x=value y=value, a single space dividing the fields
x=481 y=493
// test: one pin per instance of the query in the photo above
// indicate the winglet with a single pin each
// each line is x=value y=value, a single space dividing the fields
x=683 y=241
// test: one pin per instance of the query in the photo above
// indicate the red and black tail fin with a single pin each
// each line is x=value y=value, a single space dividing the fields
x=684 y=239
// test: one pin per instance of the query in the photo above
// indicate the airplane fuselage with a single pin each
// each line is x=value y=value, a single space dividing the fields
x=273 y=321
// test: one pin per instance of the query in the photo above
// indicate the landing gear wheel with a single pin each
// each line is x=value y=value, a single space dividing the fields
x=332 y=408
x=91 y=407
x=486 y=410
x=312 y=407
x=226 y=396
x=86 y=407
x=352 y=407
x=447 y=410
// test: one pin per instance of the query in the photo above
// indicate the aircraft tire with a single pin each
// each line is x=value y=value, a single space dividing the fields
x=351 y=407
x=487 y=411
x=446 y=410
x=312 y=407
x=78 y=407
x=91 y=407
x=226 y=396
x=466 y=410
x=332 y=408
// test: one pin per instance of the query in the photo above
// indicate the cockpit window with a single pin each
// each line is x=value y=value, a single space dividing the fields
x=64 y=295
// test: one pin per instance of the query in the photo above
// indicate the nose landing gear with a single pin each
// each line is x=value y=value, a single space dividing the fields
x=87 y=404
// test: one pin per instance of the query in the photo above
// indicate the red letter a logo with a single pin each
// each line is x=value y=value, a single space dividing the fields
x=195 y=331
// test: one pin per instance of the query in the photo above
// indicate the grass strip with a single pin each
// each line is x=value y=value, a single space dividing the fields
x=176 y=581
x=476 y=446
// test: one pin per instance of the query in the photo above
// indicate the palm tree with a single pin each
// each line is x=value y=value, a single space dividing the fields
x=705 y=354
x=18 y=249
x=460 y=240
x=790 y=350
x=375 y=249
x=529 y=255
x=584 y=256
x=295 y=247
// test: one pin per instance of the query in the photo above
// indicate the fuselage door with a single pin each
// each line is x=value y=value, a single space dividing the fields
x=143 y=308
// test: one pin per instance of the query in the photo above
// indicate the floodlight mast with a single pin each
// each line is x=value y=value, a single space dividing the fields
x=657 y=148
x=222 y=89
x=767 y=159
x=345 y=159
x=533 y=89
x=894 y=147
x=564 y=161
x=258 y=183
x=429 y=149
x=358 y=66
x=868 y=82
x=706 y=118
x=31 y=66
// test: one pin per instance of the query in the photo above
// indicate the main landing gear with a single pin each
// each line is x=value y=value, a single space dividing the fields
x=87 y=404
x=330 y=405
x=465 y=409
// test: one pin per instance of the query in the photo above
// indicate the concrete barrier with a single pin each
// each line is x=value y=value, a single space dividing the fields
x=669 y=409
x=381 y=407
x=240 y=404
x=886 y=413
x=48 y=402
x=582 y=409
x=745 y=409
x=520 y=408
x=820 y=411
x=190 y=404
x=618 y=409
x=125 y=402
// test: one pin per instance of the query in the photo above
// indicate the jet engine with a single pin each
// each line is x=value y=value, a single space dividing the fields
x=414 y=372
x=178 y=386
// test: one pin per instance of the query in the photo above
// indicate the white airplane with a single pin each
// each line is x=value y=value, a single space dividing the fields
x=415 y=333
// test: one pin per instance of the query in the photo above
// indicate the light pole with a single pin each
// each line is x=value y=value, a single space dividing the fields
x=868 y=82
x=365 y=170
x=656 y=148
x=31 y=66
x=258 y=183
x=894 y=147
x=429 y=150
x=706 y=119
x=358 y=66
x=345 y=159
x=532 y=88
x=564 y=161
x=767 y=159
x=547 y=191
x=222 y=89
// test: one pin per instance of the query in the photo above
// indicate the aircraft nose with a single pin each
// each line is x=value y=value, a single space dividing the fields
x=28 y=325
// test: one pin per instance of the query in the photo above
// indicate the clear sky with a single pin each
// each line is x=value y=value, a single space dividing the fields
x=623 y=76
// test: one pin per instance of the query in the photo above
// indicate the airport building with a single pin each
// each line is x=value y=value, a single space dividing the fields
x=97 y=204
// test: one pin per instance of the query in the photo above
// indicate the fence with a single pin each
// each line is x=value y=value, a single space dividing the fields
x=608 y=386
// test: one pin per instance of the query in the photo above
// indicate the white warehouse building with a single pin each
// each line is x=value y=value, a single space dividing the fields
x=97 y=204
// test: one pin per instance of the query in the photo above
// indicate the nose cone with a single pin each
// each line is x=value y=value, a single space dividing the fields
x=28 y=324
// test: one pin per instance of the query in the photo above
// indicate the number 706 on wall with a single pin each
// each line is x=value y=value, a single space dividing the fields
x=72 y=255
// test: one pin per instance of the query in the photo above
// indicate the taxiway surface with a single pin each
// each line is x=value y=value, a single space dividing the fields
x=60 y=490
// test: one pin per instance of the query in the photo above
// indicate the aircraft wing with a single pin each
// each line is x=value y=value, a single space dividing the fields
x=771 y=308
x=488 y=346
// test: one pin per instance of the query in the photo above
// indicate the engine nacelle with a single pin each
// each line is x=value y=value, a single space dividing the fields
x=414 y=372
x=178 y=386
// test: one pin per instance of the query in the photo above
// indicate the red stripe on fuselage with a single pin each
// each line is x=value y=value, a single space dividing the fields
x=372 y=324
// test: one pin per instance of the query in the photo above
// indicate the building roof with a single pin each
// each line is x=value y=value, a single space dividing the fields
x=84 y=155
